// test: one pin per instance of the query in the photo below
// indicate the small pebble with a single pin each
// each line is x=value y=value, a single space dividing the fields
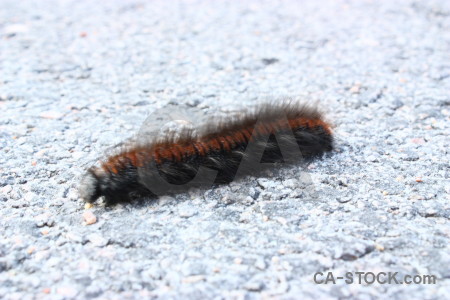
x=254 y=286
x=418 y=141
x=51 y=115
x=187 y=212
x=89 y=217
x=379 y=247
x=372 y=158
x=193 y=279
x=97 y=240
x=67 y=291
x=355 y=89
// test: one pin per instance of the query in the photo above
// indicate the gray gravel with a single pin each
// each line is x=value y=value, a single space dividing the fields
x=78 y=77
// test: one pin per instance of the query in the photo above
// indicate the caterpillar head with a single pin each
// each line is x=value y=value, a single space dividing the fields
x=89 y=189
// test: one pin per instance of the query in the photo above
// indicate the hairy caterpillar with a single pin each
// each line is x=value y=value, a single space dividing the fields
x=272 y=132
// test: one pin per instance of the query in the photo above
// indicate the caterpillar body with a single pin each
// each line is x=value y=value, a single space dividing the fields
x=157 y=167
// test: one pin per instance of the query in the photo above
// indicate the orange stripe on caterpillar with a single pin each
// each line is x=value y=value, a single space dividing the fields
x=176 y=152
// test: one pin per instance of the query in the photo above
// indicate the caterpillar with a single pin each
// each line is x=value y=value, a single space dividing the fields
x=238 y=145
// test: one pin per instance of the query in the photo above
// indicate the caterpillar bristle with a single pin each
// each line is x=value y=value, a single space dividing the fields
x=219 y=145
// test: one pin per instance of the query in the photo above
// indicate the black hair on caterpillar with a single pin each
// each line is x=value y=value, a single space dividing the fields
x=156 y=167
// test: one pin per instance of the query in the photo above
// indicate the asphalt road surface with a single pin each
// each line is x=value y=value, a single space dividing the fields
x=77 y=77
